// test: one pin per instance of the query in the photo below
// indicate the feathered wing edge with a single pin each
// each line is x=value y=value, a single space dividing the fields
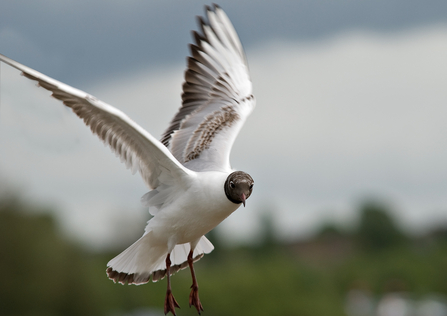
x=128 y=140
x=139 y=150
x=143 y=260
x=211 y=73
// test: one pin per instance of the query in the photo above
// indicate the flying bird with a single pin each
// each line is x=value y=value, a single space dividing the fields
x=193 y=187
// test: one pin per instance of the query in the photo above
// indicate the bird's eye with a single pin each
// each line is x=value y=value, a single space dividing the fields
x=232 y=184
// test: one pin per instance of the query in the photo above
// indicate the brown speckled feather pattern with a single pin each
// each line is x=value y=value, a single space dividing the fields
x=139 y=150
x=216 y=87
x=128 y=278
x=96 y=120
x=193 y=155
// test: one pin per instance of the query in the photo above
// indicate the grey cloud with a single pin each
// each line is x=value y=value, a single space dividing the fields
x=79 y=42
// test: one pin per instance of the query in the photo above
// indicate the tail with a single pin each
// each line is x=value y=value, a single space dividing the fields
x=145 y=258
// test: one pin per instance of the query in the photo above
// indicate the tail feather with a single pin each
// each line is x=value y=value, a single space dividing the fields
x=136 y=264
x=145 y=258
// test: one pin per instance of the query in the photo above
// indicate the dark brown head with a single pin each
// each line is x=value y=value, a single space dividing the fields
x=238 y=187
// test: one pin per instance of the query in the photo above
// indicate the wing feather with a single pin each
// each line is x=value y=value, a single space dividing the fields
x=139 y=150
x=216 y=100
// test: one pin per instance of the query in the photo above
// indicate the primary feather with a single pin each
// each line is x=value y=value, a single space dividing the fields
x=216 y=100
x=192 y=159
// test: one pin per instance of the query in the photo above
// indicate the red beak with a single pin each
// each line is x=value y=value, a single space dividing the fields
x=243 y=199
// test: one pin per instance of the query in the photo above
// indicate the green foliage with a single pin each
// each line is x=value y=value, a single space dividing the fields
x=377 y=229
x=41 y=272
x=45 y=274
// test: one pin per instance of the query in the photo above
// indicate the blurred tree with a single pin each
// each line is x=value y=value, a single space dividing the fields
x=377 y=230
x=330 y=230
x=42 y=274
x=268 y=239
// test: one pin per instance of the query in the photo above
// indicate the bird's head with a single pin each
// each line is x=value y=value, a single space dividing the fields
x=238 y=187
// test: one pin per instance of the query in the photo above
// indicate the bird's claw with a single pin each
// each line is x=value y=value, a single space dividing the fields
x=194 y=299
x=170 y=303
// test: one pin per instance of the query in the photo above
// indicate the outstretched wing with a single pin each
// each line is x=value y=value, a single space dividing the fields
x=139 y=150
x=217 y=97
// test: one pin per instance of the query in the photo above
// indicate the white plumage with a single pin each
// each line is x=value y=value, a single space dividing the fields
x=188 y=170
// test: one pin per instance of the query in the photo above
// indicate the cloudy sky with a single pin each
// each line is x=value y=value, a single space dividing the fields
x=351 y=104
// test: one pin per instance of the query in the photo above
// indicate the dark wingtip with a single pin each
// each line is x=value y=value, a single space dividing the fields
x=123 y=278
x=197 y=37
x=200 y=20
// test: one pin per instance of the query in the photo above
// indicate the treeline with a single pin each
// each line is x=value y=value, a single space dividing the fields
x=43 y=273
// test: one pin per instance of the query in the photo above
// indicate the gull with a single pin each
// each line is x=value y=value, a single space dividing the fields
x=193 y=187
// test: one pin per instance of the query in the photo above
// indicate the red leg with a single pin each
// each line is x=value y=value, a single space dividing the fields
x=194 y=295
x=170 y=302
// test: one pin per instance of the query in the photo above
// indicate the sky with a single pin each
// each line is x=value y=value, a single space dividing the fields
x=351 y=105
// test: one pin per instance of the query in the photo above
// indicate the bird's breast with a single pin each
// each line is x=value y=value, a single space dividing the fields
x=200 y=208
